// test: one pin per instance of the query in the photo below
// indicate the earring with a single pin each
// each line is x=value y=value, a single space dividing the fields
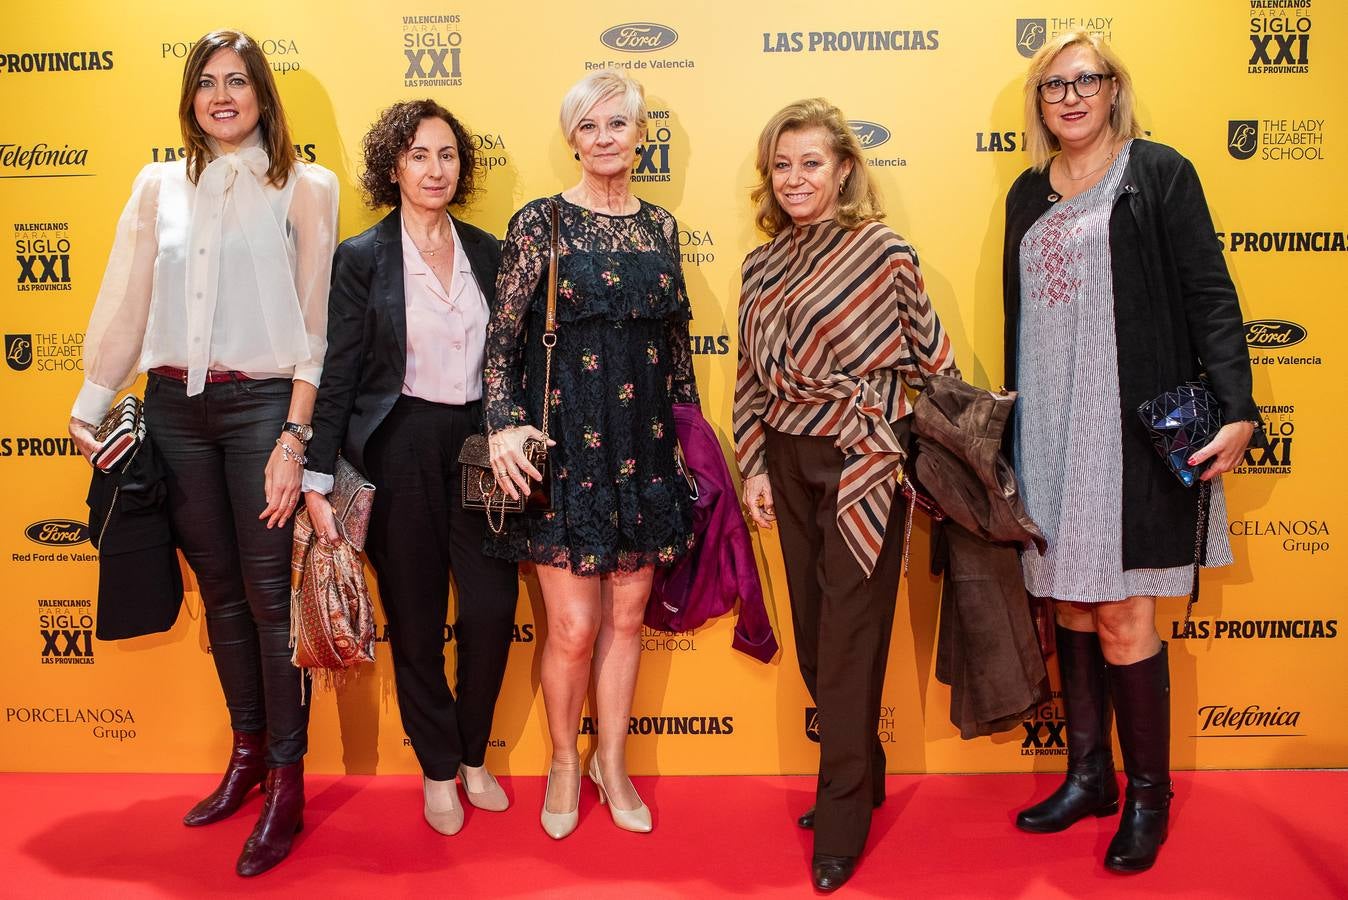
x=577 y=155
x=842 y=187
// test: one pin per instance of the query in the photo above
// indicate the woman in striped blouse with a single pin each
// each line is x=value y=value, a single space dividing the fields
x=833 y=320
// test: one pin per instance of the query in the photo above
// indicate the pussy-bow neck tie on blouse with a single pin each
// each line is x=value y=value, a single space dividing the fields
x=239 y=175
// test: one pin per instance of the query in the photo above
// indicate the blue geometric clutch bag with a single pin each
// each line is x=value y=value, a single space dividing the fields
x=1179 y=422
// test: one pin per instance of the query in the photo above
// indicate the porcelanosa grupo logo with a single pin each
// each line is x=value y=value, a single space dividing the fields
x=432 y=51
x=639 y=37
x=283 y=54
x=1280 y=38
x=1309 y=536
x=1030 y=36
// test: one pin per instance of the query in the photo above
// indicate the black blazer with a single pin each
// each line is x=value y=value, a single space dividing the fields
x=1176 y=315
x=366 y=361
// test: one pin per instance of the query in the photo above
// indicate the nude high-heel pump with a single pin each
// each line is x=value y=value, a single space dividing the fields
x=638 y=820
x=559 y=825
x=441 y=805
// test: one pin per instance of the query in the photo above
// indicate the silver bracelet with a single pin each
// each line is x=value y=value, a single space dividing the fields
x=291 y=455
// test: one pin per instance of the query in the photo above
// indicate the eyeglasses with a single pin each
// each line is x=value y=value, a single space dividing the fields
x=1087 y=84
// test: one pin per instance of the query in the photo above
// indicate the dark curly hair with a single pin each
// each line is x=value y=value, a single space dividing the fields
x=391 y=136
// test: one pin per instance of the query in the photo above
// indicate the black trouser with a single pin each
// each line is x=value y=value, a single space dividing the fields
x=419 y=534
x=842 y=622
x=215 y=447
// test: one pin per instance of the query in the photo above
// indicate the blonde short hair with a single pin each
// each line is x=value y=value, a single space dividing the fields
x=859 y=201
x=593 y=90
x=1040 y=142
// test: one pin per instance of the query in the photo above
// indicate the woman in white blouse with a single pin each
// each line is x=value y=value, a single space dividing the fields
x=217 y=286
x=402 y=389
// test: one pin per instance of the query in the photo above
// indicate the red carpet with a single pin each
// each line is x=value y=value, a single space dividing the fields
x=1234 y=834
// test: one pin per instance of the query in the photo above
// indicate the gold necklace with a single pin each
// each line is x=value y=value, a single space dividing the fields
x=1108 y=159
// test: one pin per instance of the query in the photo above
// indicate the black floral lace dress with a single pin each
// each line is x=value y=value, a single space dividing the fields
x=621 y=361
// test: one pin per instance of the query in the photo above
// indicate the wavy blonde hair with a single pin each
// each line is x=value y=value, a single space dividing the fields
x=859 y=201
x=1040 y=142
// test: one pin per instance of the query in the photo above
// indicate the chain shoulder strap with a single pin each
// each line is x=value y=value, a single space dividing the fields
x=550 y=322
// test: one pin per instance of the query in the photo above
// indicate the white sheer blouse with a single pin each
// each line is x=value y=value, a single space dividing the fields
x=231 y=273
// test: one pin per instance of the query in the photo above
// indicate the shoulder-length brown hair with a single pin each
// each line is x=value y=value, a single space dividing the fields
x=859 y=201
x=271 y=117
x=391 y=136
x=1040 y=142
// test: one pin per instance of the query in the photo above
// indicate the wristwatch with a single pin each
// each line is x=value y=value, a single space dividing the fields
x=304 y=432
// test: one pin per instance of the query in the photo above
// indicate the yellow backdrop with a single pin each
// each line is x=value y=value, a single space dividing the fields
x=1253 y=96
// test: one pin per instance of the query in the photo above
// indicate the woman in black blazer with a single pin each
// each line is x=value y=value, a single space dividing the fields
x=402 y=388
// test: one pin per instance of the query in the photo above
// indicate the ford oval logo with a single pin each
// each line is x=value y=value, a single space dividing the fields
x=639 y=37
x=57 y=532
x=870 y=134
x=1273 y=333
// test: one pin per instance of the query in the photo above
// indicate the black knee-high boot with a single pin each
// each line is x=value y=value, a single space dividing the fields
x=1090 y=788
x=1141 y=694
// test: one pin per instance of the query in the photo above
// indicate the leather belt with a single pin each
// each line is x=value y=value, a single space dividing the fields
x=213 y=376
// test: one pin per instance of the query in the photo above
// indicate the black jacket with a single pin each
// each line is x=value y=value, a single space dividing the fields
x=140 y=585
x=366 y=362
x=1176 y=315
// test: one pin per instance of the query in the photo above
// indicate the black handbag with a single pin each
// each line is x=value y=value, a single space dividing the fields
x=1180 y=422
x=477 y=483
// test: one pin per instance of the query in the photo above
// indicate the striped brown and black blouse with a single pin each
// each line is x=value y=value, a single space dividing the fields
x=832 y=322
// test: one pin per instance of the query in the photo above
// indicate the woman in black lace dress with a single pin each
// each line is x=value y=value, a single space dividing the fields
x=620 y=504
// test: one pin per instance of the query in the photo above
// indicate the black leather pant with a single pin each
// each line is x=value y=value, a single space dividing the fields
x=216 y=446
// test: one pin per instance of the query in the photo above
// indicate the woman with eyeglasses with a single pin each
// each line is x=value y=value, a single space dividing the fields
x=1114 y=289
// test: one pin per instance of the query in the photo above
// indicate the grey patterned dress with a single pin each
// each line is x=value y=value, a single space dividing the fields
x=1068 y=449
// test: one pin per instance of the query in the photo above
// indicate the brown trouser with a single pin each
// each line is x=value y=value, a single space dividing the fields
x=842 y=621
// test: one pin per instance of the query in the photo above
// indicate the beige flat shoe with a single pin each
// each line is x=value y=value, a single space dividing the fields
x=638 y=820
x=493 y=799
x=442 y=810
x=559 y=825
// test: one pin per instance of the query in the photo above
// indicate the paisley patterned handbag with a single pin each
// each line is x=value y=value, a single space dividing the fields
x=477 y=483
x=331 y=616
